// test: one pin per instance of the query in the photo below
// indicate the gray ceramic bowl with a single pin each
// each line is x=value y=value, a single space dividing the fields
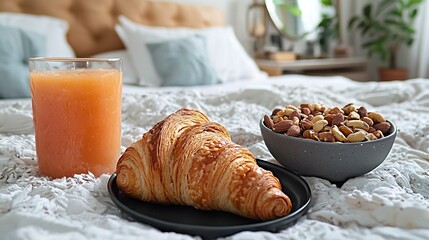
x=335 y=162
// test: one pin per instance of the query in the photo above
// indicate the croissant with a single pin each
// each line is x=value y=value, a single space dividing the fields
x=186 y=159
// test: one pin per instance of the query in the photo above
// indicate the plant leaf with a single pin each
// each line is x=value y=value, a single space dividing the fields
x=326 y=2
x=382 y=6
x=352 y=21
x=413 y=13
x=413 y=2
x=395 y=12
x=367 y=11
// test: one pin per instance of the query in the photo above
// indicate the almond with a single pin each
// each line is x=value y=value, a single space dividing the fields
x=345 y=130
x=268 y=122
x=282 y=126
x=306 y=124
x=326 y=137
x=384 y=127
x=362 y=112
x=368 y=121
x=338 y=118
x=275 y=111
x=294 y=131
x=376 y=117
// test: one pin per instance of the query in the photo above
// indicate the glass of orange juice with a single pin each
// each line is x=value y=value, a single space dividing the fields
x=77 y=114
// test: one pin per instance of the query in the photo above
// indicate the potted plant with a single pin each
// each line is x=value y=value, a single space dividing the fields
x=328 y=27
x=387 y=26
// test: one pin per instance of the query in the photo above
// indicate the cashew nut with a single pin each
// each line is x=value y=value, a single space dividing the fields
x=338 y=134
x=358 y=124
x=317 y=118
x=349 y=108
x=354 y=116
x=358 y=136
x=319 y=125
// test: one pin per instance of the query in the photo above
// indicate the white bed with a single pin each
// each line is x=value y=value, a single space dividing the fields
x=391 y=202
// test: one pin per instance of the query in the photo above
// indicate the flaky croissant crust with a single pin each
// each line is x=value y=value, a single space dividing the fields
x=186 y=159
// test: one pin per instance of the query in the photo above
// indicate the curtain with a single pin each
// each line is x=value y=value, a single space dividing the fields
x=416 y=57
x=418 y=63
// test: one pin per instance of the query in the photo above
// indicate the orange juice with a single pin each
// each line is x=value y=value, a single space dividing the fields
x=77 y=120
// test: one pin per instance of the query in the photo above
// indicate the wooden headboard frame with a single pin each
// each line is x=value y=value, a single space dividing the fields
x=92 y=22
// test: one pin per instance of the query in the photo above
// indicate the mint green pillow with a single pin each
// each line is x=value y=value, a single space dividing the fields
x=183 y=62
x=16 y=46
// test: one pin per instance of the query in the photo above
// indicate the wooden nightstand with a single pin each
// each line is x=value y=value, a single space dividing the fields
x=354 y=68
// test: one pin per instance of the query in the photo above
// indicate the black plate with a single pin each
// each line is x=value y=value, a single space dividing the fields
x=213 y=224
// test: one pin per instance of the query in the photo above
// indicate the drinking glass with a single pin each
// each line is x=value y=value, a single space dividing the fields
x=77 y=114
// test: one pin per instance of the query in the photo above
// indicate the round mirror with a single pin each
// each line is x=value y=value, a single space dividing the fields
x=297 y=19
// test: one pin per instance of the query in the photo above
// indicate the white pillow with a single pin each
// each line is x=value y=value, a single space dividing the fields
x=129 y=75
x=228 y=57
x=53 y=29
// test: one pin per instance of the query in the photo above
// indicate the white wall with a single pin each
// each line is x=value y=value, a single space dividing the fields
x=235 y=15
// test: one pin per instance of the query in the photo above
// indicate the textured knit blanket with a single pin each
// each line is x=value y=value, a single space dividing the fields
x=390 y=202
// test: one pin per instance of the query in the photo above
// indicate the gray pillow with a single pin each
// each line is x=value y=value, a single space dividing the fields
x=16 y=46
x=183 y=62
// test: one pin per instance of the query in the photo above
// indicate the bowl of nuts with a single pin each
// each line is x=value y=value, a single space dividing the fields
x=335 y=143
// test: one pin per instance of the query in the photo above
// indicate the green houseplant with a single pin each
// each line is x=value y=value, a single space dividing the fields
x=386 y=27
x=328 y=26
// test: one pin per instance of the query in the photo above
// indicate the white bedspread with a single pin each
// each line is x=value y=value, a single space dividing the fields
x=391 y=202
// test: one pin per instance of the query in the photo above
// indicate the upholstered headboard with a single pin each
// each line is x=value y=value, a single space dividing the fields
x=92 y=21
